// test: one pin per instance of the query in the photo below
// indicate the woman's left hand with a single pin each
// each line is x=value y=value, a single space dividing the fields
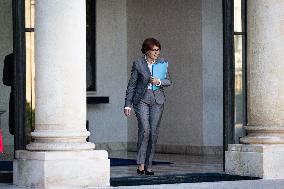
x=154 y=81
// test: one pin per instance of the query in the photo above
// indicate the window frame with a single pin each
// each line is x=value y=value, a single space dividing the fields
x=91 y=38
x=19 y=49
x=229 y=72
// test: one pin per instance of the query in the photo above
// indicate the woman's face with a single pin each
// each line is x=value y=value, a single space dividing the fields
x=153 y=53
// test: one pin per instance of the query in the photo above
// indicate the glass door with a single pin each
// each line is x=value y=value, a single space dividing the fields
x=240 y=68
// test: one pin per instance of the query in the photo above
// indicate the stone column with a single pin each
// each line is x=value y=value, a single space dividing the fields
x=262 y=151
x=60 y=44
x=59 y=156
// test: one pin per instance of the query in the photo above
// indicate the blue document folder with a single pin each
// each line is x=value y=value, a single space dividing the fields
x=159 y=70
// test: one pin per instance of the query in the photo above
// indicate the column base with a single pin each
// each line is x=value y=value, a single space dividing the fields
x=264 y=161
x=60 y=146
x=263 y=135
x=69 y=169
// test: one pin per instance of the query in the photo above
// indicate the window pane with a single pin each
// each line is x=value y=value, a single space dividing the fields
x=91 y=46
x=30 y=68
x=30 y=84
x=238 y=45
x=237 y=15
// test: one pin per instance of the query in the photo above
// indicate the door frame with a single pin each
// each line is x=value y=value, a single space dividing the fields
x=228 y=76
x=19 y=50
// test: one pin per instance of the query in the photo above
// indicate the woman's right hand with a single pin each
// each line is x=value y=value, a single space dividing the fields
x=127 y=112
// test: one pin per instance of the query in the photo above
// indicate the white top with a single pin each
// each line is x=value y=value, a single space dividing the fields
x=150 y=66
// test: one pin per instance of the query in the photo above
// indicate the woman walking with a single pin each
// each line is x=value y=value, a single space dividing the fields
x=145 y=92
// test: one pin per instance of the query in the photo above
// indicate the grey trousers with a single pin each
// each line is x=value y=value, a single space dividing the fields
x=149 y=117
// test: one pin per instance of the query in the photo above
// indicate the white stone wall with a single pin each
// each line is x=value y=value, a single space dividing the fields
x=177 y=25
x=6 y=47
x=107 y=123
x=191 y=37
x=212 y=53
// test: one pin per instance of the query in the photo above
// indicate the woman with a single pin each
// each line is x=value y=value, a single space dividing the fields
x=148 y=104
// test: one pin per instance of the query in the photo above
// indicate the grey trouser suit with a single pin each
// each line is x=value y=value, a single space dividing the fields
x=148 y=106
x=149 y=114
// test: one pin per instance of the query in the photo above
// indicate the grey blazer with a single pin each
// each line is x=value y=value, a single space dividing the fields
x=138 y=82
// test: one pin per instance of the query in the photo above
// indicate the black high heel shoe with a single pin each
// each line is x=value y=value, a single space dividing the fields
x=140 y=172
x=149 y=172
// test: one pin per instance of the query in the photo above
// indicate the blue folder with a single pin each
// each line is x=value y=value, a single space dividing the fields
x=159 y=70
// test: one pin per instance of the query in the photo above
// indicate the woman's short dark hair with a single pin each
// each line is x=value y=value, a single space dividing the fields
x=149 y=43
